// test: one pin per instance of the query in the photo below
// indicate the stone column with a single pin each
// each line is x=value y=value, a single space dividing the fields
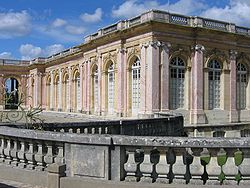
x=52 y=91
x=69 y=102
x=88 y=85
x=197 y=114
x=143 y=79
x=80 y=107
x=165 y=77
x=99 y=63
x=60 y=91
x=152 y=79
x=38 y=89
x=233 y=114
x=120 y=81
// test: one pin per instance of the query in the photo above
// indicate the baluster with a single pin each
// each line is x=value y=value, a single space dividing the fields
x=49 y=158
x=146 y=167
x=30 y=155
x=244 y=167
x=213 y=168
x=62 y=130
x=14 y=153
x=162 y=168
x=132 y=167
x=179 y=167
x=21 y=154
x=93 y=130
x=6 y=151
x=39 y=156
x=229 y=168
x=2 y=156
x=196 y=168
x=85 y=130
x=70 y=130
x=78 y=130
x=59 y=157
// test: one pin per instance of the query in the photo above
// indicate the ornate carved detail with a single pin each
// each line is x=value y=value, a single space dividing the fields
x=233 y=54
x=242 y=56
x=121 y=50
x=199 y=48
x=133 y=51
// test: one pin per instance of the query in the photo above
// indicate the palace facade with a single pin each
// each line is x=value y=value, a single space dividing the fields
x=155 y=63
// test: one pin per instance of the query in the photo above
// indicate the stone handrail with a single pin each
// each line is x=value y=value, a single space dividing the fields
x=162 y=16
x=130 y=158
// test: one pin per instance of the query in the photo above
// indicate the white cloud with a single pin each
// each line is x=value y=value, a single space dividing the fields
x=236 y=12
x=91 y=18
x=14 y=24
x=53 y=49
x=5 y=55
x=59 y=22
x=29 y=51
x=132 y=8
x=75 y=30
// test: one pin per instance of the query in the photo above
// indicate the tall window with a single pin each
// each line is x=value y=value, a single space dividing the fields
x=48 y=84
x=95 y=91
x=177 y=83
x=136 y=75
x=241 y=85
x=111 y=88
x=214 y=75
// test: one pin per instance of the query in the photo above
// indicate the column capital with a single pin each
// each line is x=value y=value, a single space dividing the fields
x=233 y=54
x=121 y=50
x=198 y=48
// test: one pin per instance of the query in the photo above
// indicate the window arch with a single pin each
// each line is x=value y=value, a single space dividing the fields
x=95 y=87
x=135 y=77
x=177 y=83
x=111 y=87
x=241 y=85
x=214 y=81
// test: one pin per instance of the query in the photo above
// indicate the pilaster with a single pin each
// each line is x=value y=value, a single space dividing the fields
x=152 y=80
x=165 y=77
x=197 y=115
x=2 y=85
x=51 y=91
x=233 y=114
x=99 y=63
x=69 y=102
x=121 y=56
x=142 y=109
x=88 y=87
x=80 y=106
x=60 y=91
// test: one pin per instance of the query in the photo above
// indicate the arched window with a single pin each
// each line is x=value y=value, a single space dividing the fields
x=95 y=88
x=177 y=83
x=111 y=88
x=11 y=93
x=241 y=85
x=136 y=75
x=214 y=74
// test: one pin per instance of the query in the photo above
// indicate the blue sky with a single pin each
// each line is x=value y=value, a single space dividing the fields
x=31 y=28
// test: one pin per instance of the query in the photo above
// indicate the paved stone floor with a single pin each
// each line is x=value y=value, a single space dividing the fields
x=13 y=184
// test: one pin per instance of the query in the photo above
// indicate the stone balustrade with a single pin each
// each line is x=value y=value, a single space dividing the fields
x=172 y=125
x=162 y=16
x=157 y=160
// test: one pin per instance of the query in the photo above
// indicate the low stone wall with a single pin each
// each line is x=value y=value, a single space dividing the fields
x=154 y=160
